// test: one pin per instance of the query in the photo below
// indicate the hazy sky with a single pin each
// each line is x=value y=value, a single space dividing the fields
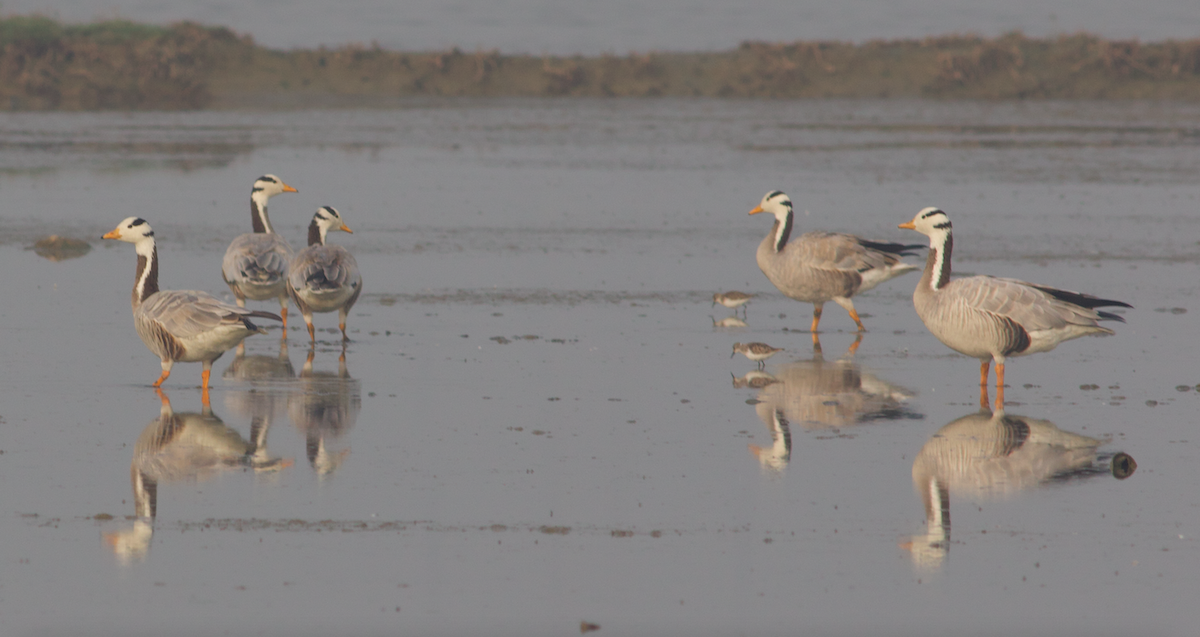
x=621 y=26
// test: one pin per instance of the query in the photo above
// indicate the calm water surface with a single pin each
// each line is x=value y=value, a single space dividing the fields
x=537 y=424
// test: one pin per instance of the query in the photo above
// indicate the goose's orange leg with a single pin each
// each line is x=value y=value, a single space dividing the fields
x=857 y=321
x=159 y=382
x=816 y=318
x=1000 y=384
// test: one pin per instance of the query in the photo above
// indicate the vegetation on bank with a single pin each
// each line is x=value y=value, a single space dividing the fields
x=45 y=65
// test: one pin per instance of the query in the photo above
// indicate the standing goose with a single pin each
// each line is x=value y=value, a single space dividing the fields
x=824 y=266
x=324 y=278
x=180 y=325
x=256 y=264
x=989 y=318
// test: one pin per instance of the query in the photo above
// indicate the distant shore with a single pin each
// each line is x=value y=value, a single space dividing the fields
x=120 y=65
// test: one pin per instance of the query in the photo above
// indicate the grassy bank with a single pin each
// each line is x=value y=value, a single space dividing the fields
x=45 y=65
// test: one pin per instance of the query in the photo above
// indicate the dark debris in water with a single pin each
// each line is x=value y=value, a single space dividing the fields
x=296 y=525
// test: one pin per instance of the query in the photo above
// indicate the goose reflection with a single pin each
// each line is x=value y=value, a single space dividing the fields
x=325 y=407
x=996 y=455
x=177 y=447
x=262 y=391
x=818 y=394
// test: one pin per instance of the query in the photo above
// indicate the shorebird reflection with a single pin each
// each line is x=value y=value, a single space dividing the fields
x=325 y=407
x=728 y=321
x=996 y=455
x=177 y=447
x=819 y=394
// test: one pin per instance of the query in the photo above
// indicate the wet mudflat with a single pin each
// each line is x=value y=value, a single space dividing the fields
x=537 y=423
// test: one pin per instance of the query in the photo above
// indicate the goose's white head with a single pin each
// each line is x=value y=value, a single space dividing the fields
x=931 y=222
x=131 y=230
x=327 y=218
x=776 y=203
x=268 y=186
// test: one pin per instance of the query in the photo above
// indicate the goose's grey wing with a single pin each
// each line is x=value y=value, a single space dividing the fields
x=838 y=251
x=258 y=258
x=189 y=313
x=1031 y=307
x=327 y=267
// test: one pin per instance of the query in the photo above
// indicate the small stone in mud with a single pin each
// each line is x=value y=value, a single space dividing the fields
x=1089 y=387
x=1151 y=403
x=587 y=627
x=58 y=248
x=102 y=516
x=500 y=339
x=555 y=530
x=1182 y=388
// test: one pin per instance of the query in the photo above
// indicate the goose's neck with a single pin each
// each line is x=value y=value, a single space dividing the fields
x=258 y=212
x=937 y=265
x=316 y=234
x=145 y=282
x=782 y=230
x=145 y=494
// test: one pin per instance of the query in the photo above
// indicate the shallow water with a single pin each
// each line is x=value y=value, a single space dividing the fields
x=538 y=424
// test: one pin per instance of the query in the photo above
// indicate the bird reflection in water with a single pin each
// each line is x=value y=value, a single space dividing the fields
x=261 y=395
x=996 y=455
x=819 y=395
x=324 y=408
x=178 y=447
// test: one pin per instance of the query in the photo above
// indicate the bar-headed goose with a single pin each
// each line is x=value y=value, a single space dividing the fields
x=256 y=264
x=180 y=326
x=324 y=278
x=990 y=318
x=824 y=266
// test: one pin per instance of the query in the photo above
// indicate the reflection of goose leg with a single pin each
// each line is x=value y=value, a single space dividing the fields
x=817 y=351
x=984 y=401
x=1000 y=384
x=854 y=345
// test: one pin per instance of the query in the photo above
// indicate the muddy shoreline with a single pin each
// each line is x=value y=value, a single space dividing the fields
x=119 y=65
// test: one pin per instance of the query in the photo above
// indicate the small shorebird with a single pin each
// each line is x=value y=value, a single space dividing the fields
x=324 y=278
x=732 y=299
x=256 y=263
x=185 y=326
x=824 y=266
x=990 y=318
x=759 y=352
